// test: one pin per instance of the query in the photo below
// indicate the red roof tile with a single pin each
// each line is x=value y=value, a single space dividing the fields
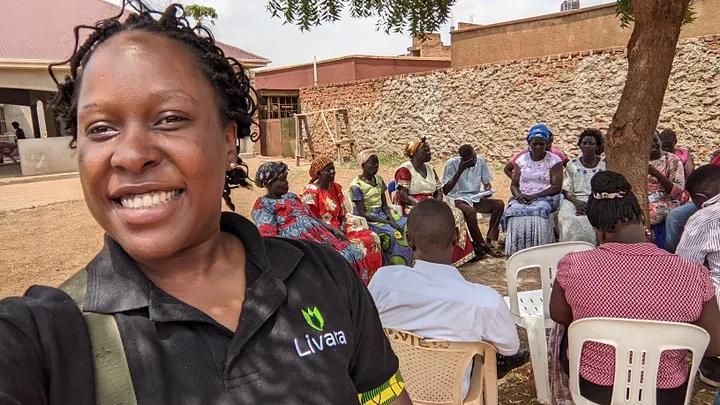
x=43 y=29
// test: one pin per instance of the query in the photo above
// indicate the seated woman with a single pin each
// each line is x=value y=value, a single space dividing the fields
x=417 y=181
x=510 y=165
x=668 y=140
x=536 y=186
x=368 y=198
x=573 y=223
x=611 y=280
x=324 y=198
x=666 y=183
x=282 y=213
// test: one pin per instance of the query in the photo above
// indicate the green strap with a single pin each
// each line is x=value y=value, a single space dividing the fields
x=113 y=384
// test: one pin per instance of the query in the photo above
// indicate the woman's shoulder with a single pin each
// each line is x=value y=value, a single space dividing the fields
x=552 y=159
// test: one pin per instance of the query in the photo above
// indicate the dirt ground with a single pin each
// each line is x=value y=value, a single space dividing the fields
x=47 y=234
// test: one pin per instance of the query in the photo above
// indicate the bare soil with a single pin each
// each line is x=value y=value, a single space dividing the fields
x=43 y=241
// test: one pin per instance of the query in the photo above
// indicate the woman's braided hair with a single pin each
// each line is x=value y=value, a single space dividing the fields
x=612 y=202
x=227 y=76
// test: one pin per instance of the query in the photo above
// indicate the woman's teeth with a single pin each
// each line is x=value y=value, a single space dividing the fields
x=148 y=200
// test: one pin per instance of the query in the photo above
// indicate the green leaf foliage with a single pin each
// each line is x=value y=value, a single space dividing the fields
x=200 y=13
x=415 y=16
x=625 y=13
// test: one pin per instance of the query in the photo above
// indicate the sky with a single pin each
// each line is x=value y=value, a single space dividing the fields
x=248 y=25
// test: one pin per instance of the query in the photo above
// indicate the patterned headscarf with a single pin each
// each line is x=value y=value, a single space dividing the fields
x=413 y=146
x=317 y=165
x=363 y=156
x=268 y=172
x=539 y=130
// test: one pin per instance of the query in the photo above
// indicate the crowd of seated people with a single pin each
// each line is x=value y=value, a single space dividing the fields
x=415 y=239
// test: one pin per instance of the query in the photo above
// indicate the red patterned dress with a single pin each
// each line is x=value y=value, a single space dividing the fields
x=289 y=218
x=329 y=207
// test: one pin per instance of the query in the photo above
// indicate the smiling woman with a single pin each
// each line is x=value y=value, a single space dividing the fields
x=184 y=304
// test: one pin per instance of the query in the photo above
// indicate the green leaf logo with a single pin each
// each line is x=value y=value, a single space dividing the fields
x=314 y=318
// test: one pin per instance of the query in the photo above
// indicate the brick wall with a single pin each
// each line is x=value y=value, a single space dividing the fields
x=492 y=106
x=594 y=27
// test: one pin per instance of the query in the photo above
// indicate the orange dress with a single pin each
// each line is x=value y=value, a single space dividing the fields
x=329 y=207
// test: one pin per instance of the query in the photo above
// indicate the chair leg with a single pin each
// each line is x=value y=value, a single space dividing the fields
x=539 y=357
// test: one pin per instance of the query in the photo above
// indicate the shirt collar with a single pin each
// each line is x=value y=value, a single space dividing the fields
x=116 y=284
x=712 y=201
x=437 y=270
x=634 y=249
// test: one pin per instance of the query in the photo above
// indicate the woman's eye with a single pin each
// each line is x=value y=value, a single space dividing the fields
x=171 y=119
x=100 y=131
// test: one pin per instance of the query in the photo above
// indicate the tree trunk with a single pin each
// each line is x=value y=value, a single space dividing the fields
x=650 y=53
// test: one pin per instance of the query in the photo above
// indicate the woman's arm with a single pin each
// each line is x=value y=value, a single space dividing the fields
x=264 y=218
x=508 y=169
x=710 y=321
x=515 y=183
x=560 y=310
x=666 y=184
x=689 y=164
x=404 y=196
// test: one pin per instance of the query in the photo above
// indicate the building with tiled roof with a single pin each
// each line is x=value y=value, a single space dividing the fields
x=34 y=33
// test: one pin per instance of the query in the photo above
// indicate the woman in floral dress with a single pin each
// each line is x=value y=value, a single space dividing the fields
x=325 y=200
x=281 y=213
x=369 y=201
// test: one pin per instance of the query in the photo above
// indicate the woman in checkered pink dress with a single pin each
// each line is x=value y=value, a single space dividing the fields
x=626 y=277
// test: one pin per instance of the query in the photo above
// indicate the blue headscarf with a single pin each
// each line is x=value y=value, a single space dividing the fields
x=539 y=130
x=268 y=172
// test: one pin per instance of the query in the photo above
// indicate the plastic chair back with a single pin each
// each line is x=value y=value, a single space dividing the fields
x=434 y=370
x=545 y=258
x=638 y=345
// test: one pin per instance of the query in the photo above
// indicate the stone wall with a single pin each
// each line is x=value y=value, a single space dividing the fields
x=492 y=106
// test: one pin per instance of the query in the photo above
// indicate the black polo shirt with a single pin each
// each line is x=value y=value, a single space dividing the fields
x=309 y=333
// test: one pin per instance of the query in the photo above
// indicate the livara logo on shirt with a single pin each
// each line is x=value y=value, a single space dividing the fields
x=317 y=343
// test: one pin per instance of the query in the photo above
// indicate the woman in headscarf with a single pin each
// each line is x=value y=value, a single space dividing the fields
x=369 y=201
x=281 y=213
x=536 y=185
x=325 y=200
x=417 y=181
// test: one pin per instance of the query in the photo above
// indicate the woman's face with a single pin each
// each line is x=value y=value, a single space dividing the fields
x=538 y=146
x=423 y=154
x=279 y=187
x=152 y=150
x=588 y=146
x=655 y=148
x=327 y=174
x=372 y=165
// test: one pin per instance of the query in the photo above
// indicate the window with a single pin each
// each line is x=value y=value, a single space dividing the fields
x=3 y=124
x=276 y=107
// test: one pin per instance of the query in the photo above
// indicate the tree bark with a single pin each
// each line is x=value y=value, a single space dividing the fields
x=650 y=54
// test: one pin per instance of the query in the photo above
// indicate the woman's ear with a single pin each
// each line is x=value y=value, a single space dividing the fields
x=411 y=242
x=231 y=142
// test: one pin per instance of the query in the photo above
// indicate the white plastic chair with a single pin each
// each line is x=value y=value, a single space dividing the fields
x=638 y=345
x=530 y=309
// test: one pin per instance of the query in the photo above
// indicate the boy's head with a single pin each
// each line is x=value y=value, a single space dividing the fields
x=431 y=231
x=703 y=184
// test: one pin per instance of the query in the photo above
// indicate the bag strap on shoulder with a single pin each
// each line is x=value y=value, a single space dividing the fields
x=113 y=384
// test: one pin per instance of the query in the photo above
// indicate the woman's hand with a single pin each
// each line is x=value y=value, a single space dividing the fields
x=655 y=172
x=580 y=207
